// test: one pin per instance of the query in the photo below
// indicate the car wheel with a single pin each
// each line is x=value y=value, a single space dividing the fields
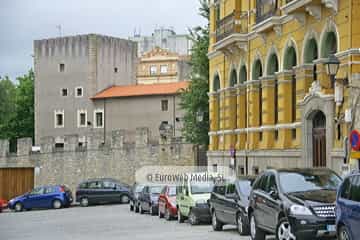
x=216 y=224
x=241 y=226
x=124 y=199
x=167 y=214
x=18 y=207
x=56 y=204
x=344 y=233
x=193 y=220
x=84 y=202
x=283 y=230
x=255 y=232
x=181 y=218
x=141 y=210
x=151 y=211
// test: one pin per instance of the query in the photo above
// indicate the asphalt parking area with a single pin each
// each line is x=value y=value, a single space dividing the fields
x=102 y=223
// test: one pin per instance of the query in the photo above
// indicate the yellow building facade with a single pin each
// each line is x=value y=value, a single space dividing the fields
x=162 y=66
x=271 y=101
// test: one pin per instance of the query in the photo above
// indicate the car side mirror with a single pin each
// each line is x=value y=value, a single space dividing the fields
x=274 y=194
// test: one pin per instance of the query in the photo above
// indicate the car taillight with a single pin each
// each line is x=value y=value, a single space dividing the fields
x=62 y=189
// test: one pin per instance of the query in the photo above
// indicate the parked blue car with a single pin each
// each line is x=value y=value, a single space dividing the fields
x=348 y=208
x=44 y=197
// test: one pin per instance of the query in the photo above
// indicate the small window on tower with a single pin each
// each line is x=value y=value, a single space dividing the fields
x=164 y=105
x=62 y=67
x=115 y=70
x=64 y=92
x=79 y=92
x=153 y=70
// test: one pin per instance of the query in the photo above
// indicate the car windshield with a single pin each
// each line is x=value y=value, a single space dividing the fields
x=172 y=191
x=139 y=188
x=292 y=182
x=245 y=187
x=156 y=189
x=203 y=187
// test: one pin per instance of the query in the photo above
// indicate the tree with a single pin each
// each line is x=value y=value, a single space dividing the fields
x=17 y=107
x=194 y=100
x=7 y=105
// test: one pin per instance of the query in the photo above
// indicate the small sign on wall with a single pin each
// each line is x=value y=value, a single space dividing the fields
x=355 y=140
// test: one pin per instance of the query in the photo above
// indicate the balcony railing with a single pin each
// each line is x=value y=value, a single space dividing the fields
x=265 y=9
x=236 y=22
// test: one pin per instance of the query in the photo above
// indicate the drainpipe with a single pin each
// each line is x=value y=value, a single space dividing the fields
x=174 y=114
x=104 y=120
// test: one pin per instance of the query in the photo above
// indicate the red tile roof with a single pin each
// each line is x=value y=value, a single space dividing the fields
x=142 y=90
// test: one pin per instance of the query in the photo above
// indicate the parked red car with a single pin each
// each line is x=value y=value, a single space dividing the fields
x=167 y=203
x=3 y=204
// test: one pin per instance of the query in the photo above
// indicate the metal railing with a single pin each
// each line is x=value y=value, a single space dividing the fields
x=265 y=9
x=236 y=22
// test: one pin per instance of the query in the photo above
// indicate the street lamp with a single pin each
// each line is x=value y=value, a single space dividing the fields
x=332 y=65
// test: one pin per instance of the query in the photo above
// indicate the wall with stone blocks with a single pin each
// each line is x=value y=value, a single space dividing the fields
x=116 y=158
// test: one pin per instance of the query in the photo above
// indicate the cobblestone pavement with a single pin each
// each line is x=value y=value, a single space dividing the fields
x=102 y=223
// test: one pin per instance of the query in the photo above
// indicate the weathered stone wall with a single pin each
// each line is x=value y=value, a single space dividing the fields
x=116 y=158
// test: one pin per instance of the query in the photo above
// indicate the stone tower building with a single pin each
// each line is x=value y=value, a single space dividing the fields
x=68 y=72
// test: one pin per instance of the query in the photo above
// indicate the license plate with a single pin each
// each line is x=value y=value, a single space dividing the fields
x=331 y=228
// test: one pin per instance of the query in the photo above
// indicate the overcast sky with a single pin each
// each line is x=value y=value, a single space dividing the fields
x=22 y=21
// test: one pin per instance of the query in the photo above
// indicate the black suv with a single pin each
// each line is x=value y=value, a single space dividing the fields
x=294 y=204
x=104 y=190
x=229 y=204
x=149 y=199
x=134 y=197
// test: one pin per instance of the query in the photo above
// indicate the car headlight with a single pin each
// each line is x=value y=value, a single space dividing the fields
x=300 y=210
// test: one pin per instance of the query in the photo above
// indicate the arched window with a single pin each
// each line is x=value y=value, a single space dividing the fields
x=243 y=74
x=216 y=87
x=290 y=62
x=329 y=44
x=233 y=78
x=256 y=74
x=311 y=54
x=216 y=83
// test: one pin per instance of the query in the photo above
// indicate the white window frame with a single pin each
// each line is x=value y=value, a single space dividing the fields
x=79 y=112
x=151 y=70
x=76 y=92
x=61 y=92
x=166 y=67
x=103 y=118
x=59 y=112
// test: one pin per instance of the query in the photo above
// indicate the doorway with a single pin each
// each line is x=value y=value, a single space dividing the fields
x=319 y=140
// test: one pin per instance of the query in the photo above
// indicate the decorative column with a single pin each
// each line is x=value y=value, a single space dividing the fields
x=253 y=91
x=305 y=77
x=214 y=121
x=241 y=115
x=221 y=128
x=284 y=80
x=268 y=106
x=230 y=118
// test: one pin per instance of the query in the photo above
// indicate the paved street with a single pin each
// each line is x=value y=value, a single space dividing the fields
x=101 y=222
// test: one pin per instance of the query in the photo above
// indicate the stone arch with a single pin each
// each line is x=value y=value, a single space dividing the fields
x=311 y=51
x=330 y=43
x=290 y=55
x=233 y=80
x=216 y=83
x=290 y=58
x=257 y=70
x=272 y=64
x=243 y=74
x=310 y=48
